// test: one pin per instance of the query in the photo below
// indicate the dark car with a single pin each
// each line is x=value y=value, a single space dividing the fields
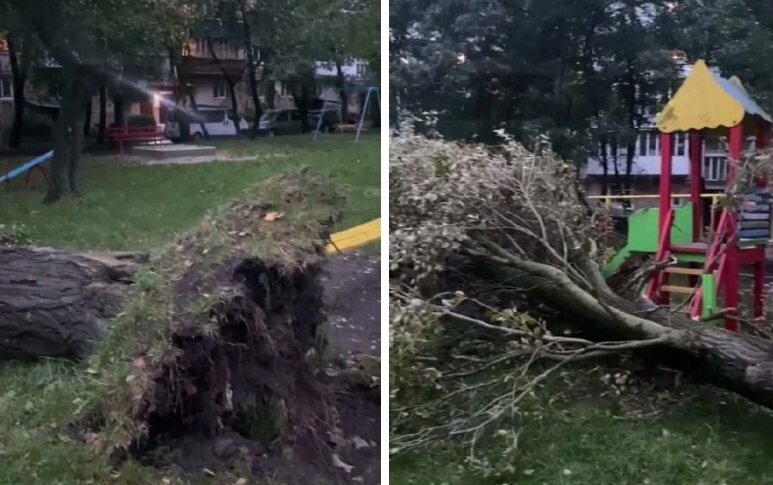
x=280 y=122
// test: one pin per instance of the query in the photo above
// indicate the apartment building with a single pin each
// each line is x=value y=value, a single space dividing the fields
x=645 y=175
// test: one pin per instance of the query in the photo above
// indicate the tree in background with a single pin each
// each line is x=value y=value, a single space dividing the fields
x=90 y=40
x=586 y=74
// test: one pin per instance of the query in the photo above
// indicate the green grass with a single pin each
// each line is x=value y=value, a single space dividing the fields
x=126 y=207
x=135 y=207
x=713 y=439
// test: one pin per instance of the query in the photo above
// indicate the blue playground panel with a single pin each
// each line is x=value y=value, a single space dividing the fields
x=26 y=167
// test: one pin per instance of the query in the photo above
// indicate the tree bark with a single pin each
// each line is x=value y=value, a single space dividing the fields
x=735 y=361
x=57 y=303
x=68 y=135
x=19 y=76
x=231 y=86
x=341 y=84
x=118 y=114
x=195 y=107
x=102 y=113
x=252 y=67
x=87 y=119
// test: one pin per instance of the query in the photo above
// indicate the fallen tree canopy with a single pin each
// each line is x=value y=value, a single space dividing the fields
x=469 y=221
x=56 y=303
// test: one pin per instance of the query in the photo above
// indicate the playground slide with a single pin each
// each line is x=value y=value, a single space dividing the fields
x=355 y=237
x=26 y=167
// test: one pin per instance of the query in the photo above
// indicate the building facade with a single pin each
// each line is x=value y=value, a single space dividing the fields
x=645 y=174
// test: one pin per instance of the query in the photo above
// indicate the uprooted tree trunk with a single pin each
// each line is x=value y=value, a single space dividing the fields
x=56 y=303
x=222 y=325
x=738 y=362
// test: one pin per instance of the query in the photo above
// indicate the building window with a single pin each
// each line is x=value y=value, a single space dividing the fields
x=653 y=145
x=218 y=89
x=6 y=87
x=649 y=144
x=715 y=168
x=679 y=140
x=361 y=70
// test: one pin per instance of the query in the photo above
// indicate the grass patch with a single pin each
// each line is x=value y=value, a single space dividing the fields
x=129 y=207
x=713 y=438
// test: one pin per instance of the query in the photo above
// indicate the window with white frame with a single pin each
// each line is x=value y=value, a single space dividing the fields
x=649 y=144
x=715 y=168
x=680 y=140
x=6 y=87
x=218 y=89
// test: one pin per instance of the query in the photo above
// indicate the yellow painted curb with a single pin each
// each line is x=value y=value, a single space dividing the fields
x=355 y=237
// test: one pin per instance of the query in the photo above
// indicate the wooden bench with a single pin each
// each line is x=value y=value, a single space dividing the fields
x=130 y=134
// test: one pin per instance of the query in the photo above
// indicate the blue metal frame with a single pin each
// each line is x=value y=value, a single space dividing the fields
x=26 y=167
x=371 y=89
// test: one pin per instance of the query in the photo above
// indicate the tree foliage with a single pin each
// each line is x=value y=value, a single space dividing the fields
x=588 y=73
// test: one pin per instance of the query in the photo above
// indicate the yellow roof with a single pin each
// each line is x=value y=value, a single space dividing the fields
x=705 y=101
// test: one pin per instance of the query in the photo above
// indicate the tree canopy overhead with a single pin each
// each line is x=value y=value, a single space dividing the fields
x=588 y=73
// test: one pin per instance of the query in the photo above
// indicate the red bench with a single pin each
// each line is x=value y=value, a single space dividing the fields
x=129 y=134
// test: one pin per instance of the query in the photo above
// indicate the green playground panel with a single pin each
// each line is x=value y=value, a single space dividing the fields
x=643 y=238
x=643 y=234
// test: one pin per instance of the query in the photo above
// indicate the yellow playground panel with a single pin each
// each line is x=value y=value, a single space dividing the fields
x=355 y=237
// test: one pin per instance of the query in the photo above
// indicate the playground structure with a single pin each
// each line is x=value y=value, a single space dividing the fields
x=355 y=237
x=30 y=169
x=711 y=260
x=372 y=93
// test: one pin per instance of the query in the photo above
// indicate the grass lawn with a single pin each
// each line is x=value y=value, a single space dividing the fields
x=129 y=207
x=140 y=208
x=713 y=438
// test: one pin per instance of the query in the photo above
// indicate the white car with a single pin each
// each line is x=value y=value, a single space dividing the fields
x=217 y=121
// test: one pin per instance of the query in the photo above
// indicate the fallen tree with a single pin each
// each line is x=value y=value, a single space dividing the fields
x=56 y=303
x=508 y=218
x=219 y=328
x=215 y=359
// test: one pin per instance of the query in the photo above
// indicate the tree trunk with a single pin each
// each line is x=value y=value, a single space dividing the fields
x=735 y=361
x=67 y=137
x=87 y=119
x=102 y=113
x=58 y=303
x=19 y=76
x=341 y=84
x=195 y=107
x=604 y=161
x=252 y=67
x=302 y=102
x=118 y=117
x=231 y=86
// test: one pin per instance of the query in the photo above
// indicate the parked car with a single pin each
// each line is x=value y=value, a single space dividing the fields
x=217 y=121
x=288 y=121
x=280 y=122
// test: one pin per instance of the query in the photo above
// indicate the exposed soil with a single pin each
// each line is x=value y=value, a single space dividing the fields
x=328 y=430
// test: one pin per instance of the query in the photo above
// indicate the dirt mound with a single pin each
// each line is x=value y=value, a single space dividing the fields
x=217 y=353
